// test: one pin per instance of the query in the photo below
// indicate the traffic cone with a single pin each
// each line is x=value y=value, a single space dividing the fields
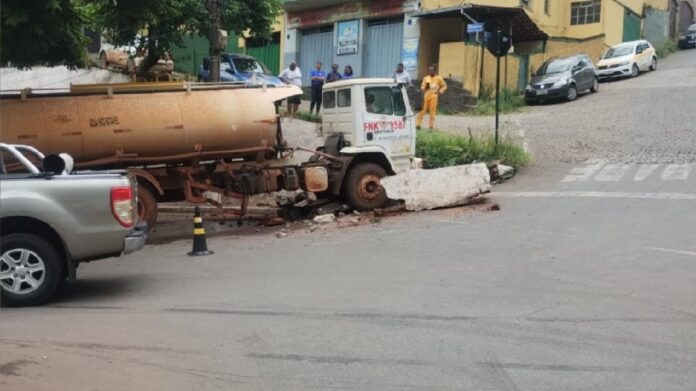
x=200 y=247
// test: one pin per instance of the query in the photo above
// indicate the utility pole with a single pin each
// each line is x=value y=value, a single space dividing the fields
x=216 y=46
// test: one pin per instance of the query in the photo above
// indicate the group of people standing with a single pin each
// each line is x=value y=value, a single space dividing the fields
x=432 y=87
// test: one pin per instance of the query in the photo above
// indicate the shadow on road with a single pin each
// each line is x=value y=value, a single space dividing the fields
x=92 y=290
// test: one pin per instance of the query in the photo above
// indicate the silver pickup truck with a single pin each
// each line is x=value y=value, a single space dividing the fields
x=52 y=219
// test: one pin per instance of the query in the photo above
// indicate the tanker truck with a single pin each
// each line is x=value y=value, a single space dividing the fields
x=200 y=142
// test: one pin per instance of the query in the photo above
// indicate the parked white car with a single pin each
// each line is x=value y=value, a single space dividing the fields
x=627 y=59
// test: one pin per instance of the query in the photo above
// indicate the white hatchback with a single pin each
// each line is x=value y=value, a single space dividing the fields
x=627 y=59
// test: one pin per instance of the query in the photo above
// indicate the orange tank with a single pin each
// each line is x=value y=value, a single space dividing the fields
x=147 y=122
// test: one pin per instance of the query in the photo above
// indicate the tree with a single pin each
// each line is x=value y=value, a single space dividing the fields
x=165 y=22
x=52 y=31
x=48 y=32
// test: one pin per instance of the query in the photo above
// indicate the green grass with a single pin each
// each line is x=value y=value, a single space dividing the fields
x=439 y=149
x=311 y=117
x=510 y=101
x=666 y=48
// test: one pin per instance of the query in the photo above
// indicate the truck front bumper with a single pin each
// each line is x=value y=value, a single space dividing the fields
x=136 y=239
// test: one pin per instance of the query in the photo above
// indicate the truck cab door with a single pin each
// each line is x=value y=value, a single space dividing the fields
x=385 y=120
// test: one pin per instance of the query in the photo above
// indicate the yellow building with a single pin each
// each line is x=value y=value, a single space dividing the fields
x=540 y=29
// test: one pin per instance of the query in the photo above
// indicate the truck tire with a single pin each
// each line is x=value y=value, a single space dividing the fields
x=147 y=207
x=362 y=188
x=30 y=269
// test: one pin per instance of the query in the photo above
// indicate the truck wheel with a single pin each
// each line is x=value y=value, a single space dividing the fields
x=362 y=187
x=30 y=269
x=147 y=207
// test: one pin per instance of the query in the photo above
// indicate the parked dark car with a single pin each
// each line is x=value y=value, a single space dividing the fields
x=239 y=68
x=562 y=78
x=687 y=39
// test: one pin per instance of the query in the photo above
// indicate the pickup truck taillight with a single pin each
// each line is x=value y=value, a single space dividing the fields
x=122 y=205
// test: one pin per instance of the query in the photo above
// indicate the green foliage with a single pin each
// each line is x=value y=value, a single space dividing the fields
x=439 y=149
x=311 y=117
x=48 y=32
x=51 y=31
x=510 y=101
x=666 y=48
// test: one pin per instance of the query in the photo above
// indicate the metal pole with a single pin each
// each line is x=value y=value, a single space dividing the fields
x=214 y=38
x=497 y=85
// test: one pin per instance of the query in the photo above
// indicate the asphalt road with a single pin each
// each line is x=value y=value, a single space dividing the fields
x=584 y=280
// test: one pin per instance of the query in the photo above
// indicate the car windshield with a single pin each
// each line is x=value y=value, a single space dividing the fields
x=554 y=66
x=619 y=51
x=248 y=65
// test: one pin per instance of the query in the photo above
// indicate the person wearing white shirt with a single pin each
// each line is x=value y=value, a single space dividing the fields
x=401 y=76
x=292 y=75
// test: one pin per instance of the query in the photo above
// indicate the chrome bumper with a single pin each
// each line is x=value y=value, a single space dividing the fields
x=136 y=239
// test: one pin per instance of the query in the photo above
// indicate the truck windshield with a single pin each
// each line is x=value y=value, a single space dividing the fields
x=384 y=100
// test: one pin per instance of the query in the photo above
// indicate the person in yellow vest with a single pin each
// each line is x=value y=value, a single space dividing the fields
x=432 y=87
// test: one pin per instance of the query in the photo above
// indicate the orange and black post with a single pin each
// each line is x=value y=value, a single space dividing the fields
x=200 y=247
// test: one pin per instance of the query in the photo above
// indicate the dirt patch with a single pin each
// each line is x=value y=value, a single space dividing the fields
x=12 y=368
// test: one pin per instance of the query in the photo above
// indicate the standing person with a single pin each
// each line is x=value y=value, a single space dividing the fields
x=348 y=72
x=433 y=87
x=401 y=75
x=292 y=75
x=318 y=78
x=334 y=75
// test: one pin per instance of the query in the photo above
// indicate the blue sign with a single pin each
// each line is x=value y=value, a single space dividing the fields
x=347 y=37
x=474 y=27
x=409 y=54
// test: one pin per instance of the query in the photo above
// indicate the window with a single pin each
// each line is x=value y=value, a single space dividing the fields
x=329 y=99
x=385 y=100
x=585 y=12
x=344 y=98
x=546 y=6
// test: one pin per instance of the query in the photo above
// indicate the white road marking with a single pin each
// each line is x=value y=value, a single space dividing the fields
x=669 y=250
x=644 y=170
x=582 y=174
x=612 y=172
x=677 y=172
x=595 y=194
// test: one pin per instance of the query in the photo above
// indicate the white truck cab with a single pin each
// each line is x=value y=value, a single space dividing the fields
x=373 y=117
x=368 y=124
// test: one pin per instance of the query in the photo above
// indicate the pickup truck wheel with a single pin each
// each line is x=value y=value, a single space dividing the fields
x=362 y=187
x=147 y=207
x=30 y=269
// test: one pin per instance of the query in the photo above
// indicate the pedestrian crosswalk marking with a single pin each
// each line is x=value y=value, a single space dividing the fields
x=602 y=172
x=676 y=172
x=644 y=171
x=612 y=172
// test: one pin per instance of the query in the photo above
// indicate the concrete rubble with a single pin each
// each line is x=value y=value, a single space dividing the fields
x=438 y=188
x=324 y=219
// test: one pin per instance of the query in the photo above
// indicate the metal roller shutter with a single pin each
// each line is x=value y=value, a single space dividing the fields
x=383 y=41
x=316 y=44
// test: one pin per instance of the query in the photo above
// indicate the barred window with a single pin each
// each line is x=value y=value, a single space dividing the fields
x=585 y=12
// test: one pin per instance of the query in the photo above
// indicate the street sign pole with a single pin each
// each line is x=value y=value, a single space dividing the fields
x=497 y=86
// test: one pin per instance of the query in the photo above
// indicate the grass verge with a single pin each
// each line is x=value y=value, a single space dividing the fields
x=665 y=49
x=510 y=101
x=440 y=149
x=311 y=117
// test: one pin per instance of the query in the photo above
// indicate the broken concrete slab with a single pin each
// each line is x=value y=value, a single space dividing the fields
x=325 y=219
x=438 y=188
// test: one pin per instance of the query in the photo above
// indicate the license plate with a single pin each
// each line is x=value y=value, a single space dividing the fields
x=542 y=92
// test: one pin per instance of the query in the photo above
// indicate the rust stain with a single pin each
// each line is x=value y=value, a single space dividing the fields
x=122 y=130
x=72 y=134
x=26 y=136
x=175 y=127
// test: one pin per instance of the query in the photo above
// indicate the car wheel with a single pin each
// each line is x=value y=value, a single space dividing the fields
x=572 y=93
x=30 y=269
x=635 y=71
x=147 y=207
x=103 y=62
x=363 y=189
x=595 y=85
x=653 y=64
